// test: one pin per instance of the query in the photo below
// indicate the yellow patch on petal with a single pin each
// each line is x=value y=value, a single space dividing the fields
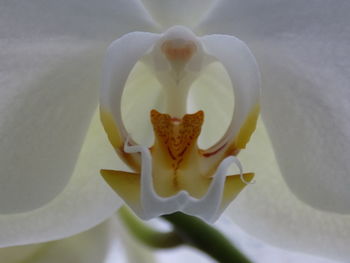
x=125 y=184
x=247 y=128
x=233 y=186
x=111 y=129
x=117 y=141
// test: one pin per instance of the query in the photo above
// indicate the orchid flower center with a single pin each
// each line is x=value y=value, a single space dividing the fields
x=175 y=174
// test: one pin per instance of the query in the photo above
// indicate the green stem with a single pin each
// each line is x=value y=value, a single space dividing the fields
x=205 y=238
x=147 y=235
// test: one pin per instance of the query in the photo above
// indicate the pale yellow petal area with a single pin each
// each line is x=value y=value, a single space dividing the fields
x=94 y=245
x=19 y=254
x=85 y=202
x=213 y=94
x=141 y=94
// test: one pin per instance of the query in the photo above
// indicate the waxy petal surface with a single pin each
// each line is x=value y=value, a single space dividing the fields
x=85 y=202
x=270 y=211
x=50 y=63
x=48 y=95
x=94 y=245
x=103 y=20
x=168 y=13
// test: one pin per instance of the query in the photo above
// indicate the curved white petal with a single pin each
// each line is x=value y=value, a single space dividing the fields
x=48 y=94
x=270 y=211
x=91 y=246
x=49 y=78
x=106 y=19
x=169 y=13
x=306 y=110
x=121 y=58
x=86 y=201
x=303 y=52
x=244 y=75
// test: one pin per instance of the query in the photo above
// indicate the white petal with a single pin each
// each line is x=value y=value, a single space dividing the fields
x=85 y=202
x=303 y=52
x=106 y=19
x=169 y=13
x=92 y=246
x=121 y=57
x=261 y=252
x=306 y=110
x=135 y=251
x=278 y=18
x=271 y=212
x=47 y=97
x=49 y=79
x=182 y=254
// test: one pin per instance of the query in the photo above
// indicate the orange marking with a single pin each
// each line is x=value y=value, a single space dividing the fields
x=177 y=136
x=214 y=152
x=174 y=52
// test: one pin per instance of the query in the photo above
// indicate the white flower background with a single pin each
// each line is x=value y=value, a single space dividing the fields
x=51 y=152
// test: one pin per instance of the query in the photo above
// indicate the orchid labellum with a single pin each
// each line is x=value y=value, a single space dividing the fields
x=175 y=174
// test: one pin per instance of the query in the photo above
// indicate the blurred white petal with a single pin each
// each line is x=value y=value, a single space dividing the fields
x=91 y=246
x=270 y=211
x=256 y=250
x=89 y=19
x=169 y=13
x=135 y=252
x=303 y=53
x=261 y=252
x=85 y=202
x=277 y=18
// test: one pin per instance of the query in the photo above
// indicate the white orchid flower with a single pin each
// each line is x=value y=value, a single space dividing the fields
x=175 y=174
x=52 y=148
